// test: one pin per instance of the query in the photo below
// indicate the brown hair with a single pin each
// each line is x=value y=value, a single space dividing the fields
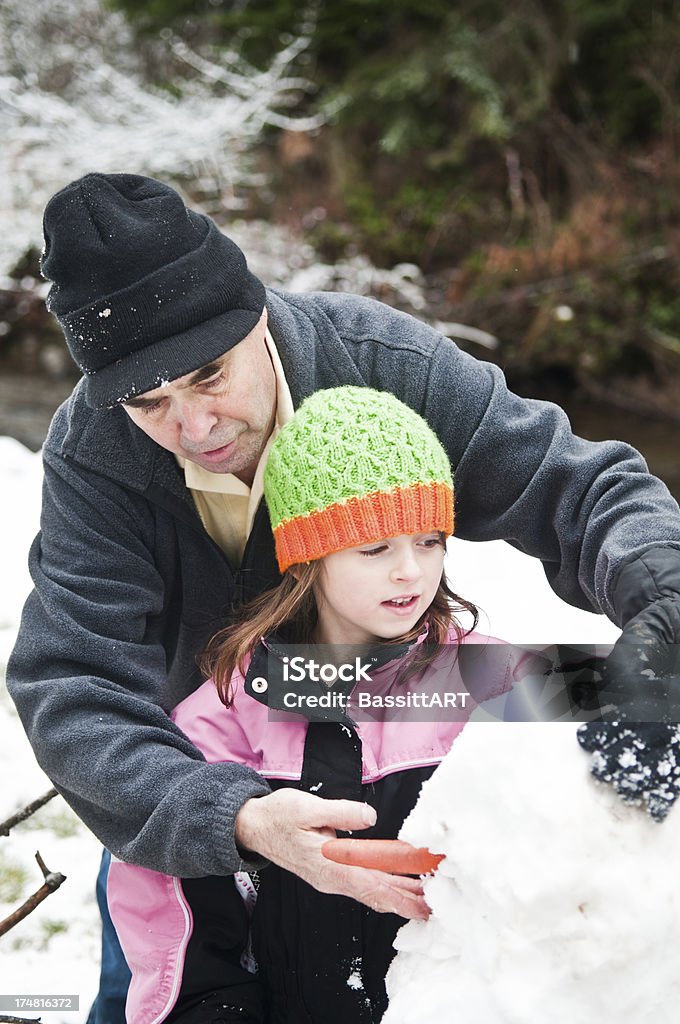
x=290 y=609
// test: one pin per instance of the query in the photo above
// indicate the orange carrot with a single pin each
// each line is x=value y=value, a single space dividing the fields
x=391 y=855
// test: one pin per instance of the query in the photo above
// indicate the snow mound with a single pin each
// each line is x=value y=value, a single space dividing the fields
x=556 y=902
x=21 y=475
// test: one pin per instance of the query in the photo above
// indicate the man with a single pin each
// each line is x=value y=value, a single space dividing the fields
x=153 y=527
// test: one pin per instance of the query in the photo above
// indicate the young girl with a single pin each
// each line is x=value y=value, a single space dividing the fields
x=360 y=497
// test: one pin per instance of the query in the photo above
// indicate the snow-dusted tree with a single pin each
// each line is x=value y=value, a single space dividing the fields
x=79 y=93
x=76 y=95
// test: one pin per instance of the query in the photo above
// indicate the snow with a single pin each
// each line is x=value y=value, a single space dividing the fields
x=556 y=902
x=56 y=950
x=515 y=600
x=21 y=475
x=546 y=908
x=77 y=94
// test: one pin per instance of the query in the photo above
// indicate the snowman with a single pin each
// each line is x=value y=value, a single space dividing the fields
x=557 y=901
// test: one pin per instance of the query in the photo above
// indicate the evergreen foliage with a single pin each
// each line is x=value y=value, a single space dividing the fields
x=419 y=71
x=522 y=144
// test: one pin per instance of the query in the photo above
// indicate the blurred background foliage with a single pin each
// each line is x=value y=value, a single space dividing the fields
x=517 y=165
x=524 y=156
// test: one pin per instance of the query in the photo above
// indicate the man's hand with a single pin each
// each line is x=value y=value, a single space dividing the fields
x=637 y=750
x=642 y=673
x=289 y=828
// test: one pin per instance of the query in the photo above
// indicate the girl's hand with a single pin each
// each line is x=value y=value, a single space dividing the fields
x=289 y=828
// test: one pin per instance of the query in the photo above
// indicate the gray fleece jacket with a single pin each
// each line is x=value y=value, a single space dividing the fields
x=129 y=586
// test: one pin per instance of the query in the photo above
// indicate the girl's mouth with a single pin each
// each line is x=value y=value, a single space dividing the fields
x=401 y=605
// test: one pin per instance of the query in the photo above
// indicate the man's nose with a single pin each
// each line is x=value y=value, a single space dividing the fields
x=196 y=421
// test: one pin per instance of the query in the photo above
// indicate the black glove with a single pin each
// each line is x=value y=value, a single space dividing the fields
x=642 y=673
x=638 y=750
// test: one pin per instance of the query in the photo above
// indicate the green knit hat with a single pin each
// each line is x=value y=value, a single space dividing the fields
x=354 y=466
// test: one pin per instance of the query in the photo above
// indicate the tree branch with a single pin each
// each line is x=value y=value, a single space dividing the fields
x=26 y=812
x=53 y=879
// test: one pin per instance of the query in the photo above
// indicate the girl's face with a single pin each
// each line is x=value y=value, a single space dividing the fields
x=378 y=590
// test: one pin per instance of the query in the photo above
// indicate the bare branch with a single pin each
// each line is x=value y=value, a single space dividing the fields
x=20 y=1020
x=53 y=879
x=26 y=812
x=76 y=95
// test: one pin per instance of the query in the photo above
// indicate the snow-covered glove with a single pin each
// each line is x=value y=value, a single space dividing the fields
x=638 y=750
x=641 y=762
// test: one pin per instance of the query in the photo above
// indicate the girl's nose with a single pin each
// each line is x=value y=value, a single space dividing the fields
x=407 y=566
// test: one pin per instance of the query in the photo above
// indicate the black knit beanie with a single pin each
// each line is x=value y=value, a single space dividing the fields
x=145 y=290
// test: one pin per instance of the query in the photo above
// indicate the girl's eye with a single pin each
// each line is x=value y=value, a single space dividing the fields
x=374 y=551
x=431 y=542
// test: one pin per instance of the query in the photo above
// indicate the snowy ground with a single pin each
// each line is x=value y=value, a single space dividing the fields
x=56 y=950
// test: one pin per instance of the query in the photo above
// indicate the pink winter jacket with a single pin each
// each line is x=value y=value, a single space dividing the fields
x=150 y=913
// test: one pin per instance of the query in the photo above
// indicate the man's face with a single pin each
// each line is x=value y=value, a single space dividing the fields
x=218 y=416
